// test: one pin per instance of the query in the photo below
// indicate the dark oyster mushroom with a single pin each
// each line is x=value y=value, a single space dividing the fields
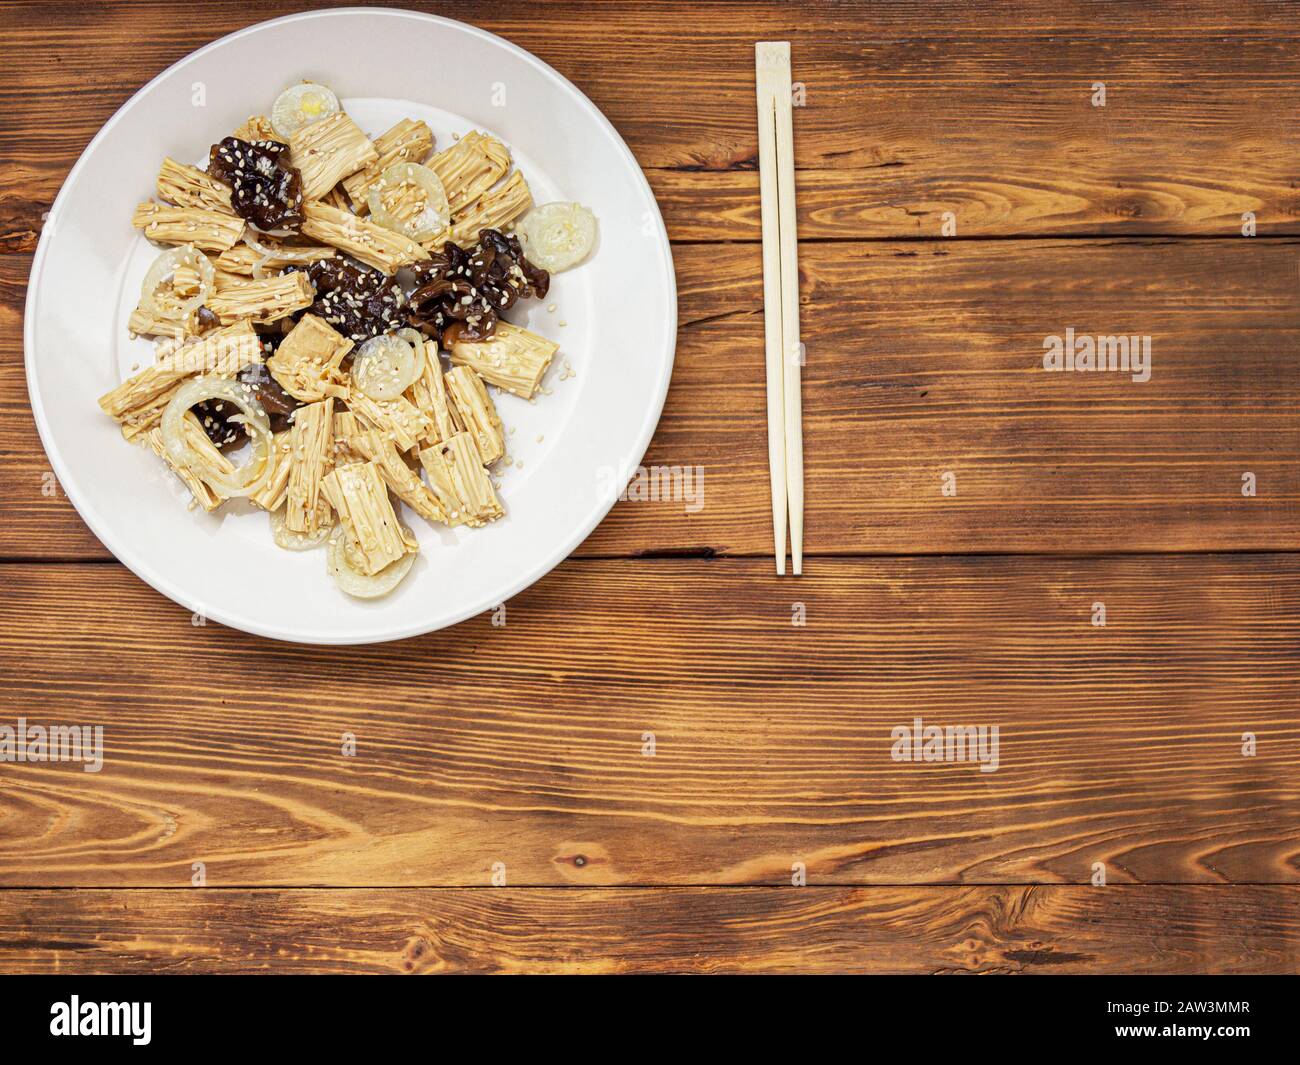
x=357 y=301
x=213 y=415
x=277 y=403
x=264 y=188
x=462 y=293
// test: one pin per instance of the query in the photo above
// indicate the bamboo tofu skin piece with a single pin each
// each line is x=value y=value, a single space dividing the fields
x=429 y=395
x=398 y=419
x=311 y=454
x=172 y=324
x=327 y=151
x=188 y=186
x=168 y=312
x=470 y=167
x=238 y=260
x=459 y=481
x=257 y=128
x=209 y=230
x=186 y=281
x=403 y=480
x=476 y=412
x=307 y=364
x=203 y=493
x=346 y=427
x=262 y=301
x=512 y=358
x=360 y=496
x=242 y=259
x=359 y=237
x=274 y=491
x=495 y=209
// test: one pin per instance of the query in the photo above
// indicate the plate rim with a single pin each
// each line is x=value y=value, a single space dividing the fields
x=165 y=587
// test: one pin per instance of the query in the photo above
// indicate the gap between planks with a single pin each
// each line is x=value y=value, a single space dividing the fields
x=987 y=238
x=707 y=554
x=902 y=885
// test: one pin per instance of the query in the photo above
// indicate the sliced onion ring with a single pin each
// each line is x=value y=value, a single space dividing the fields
x=556 y=236
x=384 y=367
x=244 y=480
x=164 y=268
x=358 y=584
x=413 y=337
x=301 y=105
x=436 y=215
x=288 y=255
x=295 y=541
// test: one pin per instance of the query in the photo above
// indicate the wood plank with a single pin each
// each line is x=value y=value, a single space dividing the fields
x=524 y=744
x=904 y=119
x=969 y=930
x=925 y=359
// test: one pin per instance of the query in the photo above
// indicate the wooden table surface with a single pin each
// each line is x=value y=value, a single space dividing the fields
x=521 y=753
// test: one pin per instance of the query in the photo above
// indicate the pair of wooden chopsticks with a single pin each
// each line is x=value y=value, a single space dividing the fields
x=781 y=297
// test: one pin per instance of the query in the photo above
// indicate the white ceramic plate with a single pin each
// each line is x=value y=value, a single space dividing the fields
x=615 y=319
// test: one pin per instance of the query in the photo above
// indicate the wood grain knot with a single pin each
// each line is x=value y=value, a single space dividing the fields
x=414 y=953
x=585 y=863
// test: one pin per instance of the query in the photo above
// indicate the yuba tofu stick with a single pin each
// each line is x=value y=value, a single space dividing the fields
x=398 y=419
x=262 y=301
x=403 y=480
x=429 y=394
x=327 y=151
x=188 y=186
x=362 y=239
x=477 y=412
x=470 y=167
x=358 y=493
x=274 y=491
x=311 y=454
x=209 y=230
x=307 y=362
x=461 y=484
x=495 y=209
x=512 y=358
